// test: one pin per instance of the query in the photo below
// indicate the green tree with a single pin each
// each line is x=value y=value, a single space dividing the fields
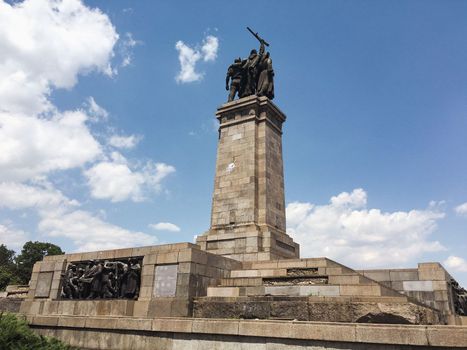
x=30 y=254
x=7 y=267
x=6 y=256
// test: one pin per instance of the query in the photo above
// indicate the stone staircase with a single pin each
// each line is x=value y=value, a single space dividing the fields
x=317 y=289
x=304 y=277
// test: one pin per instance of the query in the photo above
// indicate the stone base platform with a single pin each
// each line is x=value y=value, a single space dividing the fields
x=171 y=276
x=316 y=289
x=249 y=242
x=388 y=310
x=198 y=334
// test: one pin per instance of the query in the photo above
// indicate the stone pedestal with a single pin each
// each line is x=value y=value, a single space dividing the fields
x=248 y=207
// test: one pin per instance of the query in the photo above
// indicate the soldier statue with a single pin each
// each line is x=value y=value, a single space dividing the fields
x=235 y=73
x=253 y=75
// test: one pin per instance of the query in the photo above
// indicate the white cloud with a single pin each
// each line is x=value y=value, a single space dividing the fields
x=19 y=196
x=126 y=49
x=456 y=263
x=347 y=231
x=90 y=233
x=165 y=226
x=461 y=209
x=46 y=44
x=31 y=146
x=189 y=57
x=12 y=238
x=95 y=111
x=115 y=180
x=59 y=218
x=126 y=142
x=209 y=48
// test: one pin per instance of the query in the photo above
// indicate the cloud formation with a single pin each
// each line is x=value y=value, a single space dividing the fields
x=125 y=142
x=456 y=263
x=12 y=238
x=346 y=230
x=33 y=146
x=165 y=226
x=461 y=209
x=88 y=232
x=45 y=45
x=189 y=57
x=116 y=181
x=126 y=49
x=95 y=111
x=61 y=217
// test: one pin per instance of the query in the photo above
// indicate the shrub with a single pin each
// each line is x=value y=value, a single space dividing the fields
x=15 y=334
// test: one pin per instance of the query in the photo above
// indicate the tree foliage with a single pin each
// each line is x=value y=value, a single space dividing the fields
x=17 y=270
x=7 y=267
x=6 y=256
x=30 y=254
x=15 y=334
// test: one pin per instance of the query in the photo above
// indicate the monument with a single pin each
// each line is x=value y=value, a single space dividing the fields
x=248 y=205
x=243 y=285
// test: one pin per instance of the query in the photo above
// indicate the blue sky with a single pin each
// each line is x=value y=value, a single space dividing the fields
x=103 y=147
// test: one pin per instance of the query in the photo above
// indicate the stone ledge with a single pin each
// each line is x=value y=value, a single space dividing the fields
x=447 y=336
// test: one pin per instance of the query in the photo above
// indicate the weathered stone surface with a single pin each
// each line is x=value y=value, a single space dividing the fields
x=10 y=304
x=244 y=334
x=44 y=283
x=308 y=309
x=248 y=199
x=165 y=280
x=423 y=286
x=293 y=310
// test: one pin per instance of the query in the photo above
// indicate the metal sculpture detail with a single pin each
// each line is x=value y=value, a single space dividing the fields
x=252 y=75
x=102 y=279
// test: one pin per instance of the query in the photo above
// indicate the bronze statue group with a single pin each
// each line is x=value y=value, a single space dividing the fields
x=97 y=279
x=253 y=75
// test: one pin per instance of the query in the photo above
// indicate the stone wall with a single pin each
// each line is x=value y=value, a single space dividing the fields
x=10 y=304
x=171 y=276
x=200 y=334
x=248 y=206
x=429 y=283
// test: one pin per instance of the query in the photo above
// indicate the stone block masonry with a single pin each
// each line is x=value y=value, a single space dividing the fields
x=188 y=333
x=248 y=206
x=171 y=276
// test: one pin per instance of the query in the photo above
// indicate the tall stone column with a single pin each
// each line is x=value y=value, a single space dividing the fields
x=248 y=207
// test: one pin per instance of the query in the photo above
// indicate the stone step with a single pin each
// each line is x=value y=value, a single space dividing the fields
x=349 y=278
x=241 y=282
x=291 y=271
x=289 y=263
x=334 y=299
x=367 y=289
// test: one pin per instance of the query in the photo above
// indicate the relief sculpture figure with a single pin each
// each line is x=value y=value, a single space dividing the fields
x=107 y=279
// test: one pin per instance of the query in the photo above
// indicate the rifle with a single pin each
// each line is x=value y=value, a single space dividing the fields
x=261 y=40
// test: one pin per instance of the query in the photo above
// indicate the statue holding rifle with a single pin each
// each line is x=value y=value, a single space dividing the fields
x=253 y=75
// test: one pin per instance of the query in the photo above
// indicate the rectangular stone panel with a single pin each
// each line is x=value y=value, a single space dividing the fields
x=424 y=286
x=165 y=281
x=283 y=290
x=327 y=291
x=44 y=282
